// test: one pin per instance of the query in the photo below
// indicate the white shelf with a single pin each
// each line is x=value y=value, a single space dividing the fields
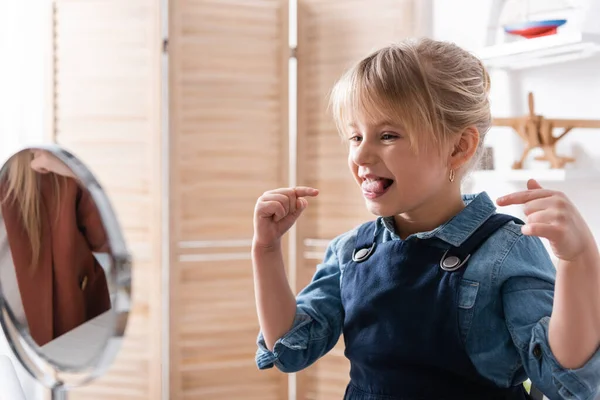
x=541 y=175
x=528 y=53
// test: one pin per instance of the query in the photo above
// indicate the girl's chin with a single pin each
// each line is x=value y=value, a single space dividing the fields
x=380 y=210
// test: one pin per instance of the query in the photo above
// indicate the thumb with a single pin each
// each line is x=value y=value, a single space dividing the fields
x=301 y=203
x=532 y=184
x=291 y=218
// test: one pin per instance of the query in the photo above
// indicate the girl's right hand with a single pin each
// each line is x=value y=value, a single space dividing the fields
x=276 y=211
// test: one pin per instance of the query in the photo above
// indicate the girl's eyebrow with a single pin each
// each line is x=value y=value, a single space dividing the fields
x=380 y=124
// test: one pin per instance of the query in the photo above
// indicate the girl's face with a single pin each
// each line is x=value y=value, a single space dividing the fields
x=393 y=177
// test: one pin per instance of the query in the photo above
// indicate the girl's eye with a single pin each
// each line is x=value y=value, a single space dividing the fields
x=355 y=138
x=389 y=136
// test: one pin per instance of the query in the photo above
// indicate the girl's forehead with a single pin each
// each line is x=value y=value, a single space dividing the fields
x=373 y=118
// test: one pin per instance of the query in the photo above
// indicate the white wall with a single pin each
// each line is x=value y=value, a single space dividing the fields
x=24 y=48
x=567 y=90
x=24 y=36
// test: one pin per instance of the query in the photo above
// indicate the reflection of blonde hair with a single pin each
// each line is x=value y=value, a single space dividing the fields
x=23 y=187
x=433 y=89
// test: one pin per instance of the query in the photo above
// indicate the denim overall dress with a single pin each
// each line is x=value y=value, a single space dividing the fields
x=401 y=327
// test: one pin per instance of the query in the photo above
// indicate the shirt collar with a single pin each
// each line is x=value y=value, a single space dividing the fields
x=479 y=207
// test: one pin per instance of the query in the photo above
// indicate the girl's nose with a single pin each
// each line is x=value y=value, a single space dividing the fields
x=363 y=154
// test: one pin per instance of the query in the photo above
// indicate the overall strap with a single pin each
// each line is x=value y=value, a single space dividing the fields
x=365 y=241
x=455 y=257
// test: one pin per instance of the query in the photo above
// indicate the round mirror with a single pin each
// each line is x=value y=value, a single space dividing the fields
x=65 y=272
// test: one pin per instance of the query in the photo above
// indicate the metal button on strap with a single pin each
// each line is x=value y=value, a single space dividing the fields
x=359 y=255
x=362 y=253
x=451 y=262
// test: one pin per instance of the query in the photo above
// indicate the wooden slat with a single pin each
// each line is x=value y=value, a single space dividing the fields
x=107 y=110
x=333 y=35
x=228 y=129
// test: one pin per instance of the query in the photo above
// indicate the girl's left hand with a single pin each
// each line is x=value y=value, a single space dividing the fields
x=45 y=162
x=551 y=215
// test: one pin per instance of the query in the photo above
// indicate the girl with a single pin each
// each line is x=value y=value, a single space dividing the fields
x=49 y=229
x=440 y=297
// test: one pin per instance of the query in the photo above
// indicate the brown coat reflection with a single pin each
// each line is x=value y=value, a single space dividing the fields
x=67 y=286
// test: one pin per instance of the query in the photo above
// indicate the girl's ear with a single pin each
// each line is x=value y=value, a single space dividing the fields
x=465 y=146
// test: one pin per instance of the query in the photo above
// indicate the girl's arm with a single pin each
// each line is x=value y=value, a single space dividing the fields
x=312 y=323
x=275 y=302
x=574 y=331
x=295 y=332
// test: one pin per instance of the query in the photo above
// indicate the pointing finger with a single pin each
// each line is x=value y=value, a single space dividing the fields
x=302 y=191
x=523 y=197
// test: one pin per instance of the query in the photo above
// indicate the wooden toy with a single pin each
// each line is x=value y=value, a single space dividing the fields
x=537 y=131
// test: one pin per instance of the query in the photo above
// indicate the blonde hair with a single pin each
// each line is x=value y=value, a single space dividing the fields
x=433 y=89
x=22 y=185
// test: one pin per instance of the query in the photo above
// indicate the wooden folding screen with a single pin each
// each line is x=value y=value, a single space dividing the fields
x=229 y=128
x=106 y=109
x=333 y=35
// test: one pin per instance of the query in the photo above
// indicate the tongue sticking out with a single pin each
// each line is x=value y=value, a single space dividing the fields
x=378 y=186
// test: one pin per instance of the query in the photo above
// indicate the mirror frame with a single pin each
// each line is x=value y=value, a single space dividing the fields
x=51 y=373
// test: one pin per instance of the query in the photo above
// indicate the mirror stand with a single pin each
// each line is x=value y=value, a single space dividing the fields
x=58 y=393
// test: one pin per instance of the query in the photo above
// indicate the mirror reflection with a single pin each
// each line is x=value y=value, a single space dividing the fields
x=53 y=249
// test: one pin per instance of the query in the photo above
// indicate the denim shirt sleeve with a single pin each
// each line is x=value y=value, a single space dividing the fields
x=528 y=293
x=317 y=325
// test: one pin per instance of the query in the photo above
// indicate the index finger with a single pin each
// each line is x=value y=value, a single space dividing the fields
x=302 y=191
x=523 y=197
